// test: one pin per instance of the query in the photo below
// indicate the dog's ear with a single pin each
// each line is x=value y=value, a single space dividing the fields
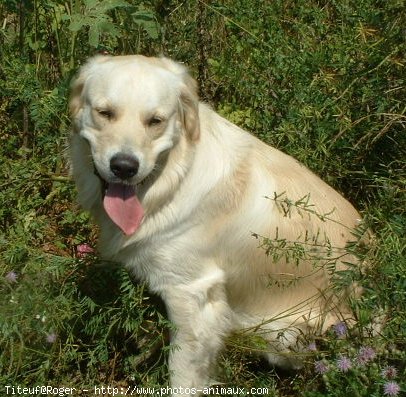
x=188 y=99
x=75 y=98
x=78 y=83
x=189 y=103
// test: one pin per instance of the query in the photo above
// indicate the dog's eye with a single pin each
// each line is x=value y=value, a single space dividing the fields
x=106 y=113
x=154 y=121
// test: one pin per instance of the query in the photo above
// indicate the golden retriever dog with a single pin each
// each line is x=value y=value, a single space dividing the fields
x=231 y=233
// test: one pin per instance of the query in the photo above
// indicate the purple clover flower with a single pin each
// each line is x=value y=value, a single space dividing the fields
x=365 y=355
x=344 y=363
x=312 y=347
x=321 y=367
x=389 y=372
x=340 y=329
x=11 y=277
x=391 y=388
x=51 y=337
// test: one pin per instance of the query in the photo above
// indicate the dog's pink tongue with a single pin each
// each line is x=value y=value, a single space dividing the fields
x=123 y=207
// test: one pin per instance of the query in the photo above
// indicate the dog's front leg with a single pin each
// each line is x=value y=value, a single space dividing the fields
x=202 y=317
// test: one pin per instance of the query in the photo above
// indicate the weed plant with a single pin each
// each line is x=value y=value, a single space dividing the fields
x=322 y=80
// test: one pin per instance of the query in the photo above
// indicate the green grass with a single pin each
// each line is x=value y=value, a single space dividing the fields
x=323 y=81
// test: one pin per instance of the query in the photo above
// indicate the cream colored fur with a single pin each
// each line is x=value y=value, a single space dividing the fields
x=203 y=184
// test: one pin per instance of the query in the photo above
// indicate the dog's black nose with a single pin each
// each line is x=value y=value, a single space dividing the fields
x=124 y=166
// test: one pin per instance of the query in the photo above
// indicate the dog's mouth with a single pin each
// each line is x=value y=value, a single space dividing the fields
x=122 y=205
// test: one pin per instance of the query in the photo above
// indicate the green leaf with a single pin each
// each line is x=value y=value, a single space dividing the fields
x=102 y=7
x=146 y=20
x=94 y=35
x=77 y=22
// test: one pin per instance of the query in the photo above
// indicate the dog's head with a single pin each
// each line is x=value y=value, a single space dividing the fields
x=131 y=110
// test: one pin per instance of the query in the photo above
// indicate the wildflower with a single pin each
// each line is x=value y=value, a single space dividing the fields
x=340 y=329
x=83 y=250
x=41 y=317
x=389 y=372
x=391 y=388
x=365 y=355
x=344 y=363
x=51 y=337
x=13 y=300
x=312 y=347
x=321 y=367
x=11 y=277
